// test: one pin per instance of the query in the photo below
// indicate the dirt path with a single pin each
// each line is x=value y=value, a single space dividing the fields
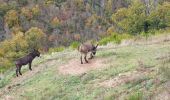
x=75 y=68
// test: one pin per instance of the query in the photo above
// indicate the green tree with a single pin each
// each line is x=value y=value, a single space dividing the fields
x=35 y=37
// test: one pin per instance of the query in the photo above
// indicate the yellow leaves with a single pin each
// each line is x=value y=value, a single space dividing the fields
x=35 y=32
x=109 y=5
x=55 y=22
x=16 y=29
x=6 y=45
x=49 y=2
x=2 y=52
x=5 y=62
x=36 y=10
x=78 y=3
x=91 y=20
x=3 y=5
x=11 y=15
x=110 y=30
x=11 y=18
x=35 y=37
x=77 y=37
x=164 y=10
x=26 y=12
x=19 y=40
x=30 y=12
x=120 y=14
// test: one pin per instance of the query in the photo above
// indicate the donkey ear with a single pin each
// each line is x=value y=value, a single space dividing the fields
x=97 y=45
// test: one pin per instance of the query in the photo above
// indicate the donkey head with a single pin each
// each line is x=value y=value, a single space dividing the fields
x=94 y=49
x=36 y=53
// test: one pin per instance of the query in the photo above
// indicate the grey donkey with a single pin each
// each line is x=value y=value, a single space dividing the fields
x=85 y=48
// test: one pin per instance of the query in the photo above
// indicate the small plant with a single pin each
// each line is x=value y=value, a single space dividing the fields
x=74 y=45
x=114 y=37
x=135 y=96
x=86 y=78
x=165 y=69
x=57 y=49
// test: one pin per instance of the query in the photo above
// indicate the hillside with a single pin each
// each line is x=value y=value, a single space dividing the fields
x=131 y=71
x=53 y=25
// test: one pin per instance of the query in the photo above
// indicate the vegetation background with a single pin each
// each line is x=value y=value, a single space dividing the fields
x=55 y=24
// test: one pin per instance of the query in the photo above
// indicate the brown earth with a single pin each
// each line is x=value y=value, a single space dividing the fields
x=74 y=67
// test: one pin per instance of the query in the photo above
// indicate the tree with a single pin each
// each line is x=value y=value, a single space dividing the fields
x=11 y=18
x=35 y=37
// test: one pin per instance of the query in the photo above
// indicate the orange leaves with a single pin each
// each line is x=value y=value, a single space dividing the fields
x=35 y=10
x=55 y=22
x=77 y=37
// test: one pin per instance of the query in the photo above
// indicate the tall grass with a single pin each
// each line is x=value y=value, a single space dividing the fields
x=114 y=38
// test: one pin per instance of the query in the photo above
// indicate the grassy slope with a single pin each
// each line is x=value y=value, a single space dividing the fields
x=47 y=83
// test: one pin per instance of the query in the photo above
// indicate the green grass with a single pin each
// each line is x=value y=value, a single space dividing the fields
x=50 y=84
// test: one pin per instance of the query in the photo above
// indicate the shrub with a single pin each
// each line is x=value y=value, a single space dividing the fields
x=114 y=37
x=35 y=37
x=134 y=19
x=74 y=45
x=11 y=18
x=5 y=64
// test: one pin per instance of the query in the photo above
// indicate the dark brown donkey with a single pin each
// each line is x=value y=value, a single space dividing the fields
x=26 y=60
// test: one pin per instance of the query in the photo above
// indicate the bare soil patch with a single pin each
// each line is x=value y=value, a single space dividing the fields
x=74 y=67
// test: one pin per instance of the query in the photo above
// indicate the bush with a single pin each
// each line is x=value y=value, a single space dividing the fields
x=12 y=18
x=74 y=45
x=134 y=19
x=131 y=19
x=114 y=37
x=5 y=64
x=35 y=37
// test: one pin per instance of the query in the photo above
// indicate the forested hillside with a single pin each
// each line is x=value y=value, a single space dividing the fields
x=47 y=24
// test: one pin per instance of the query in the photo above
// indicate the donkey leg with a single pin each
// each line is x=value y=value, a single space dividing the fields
x=85 y=59
x=81 y=59
x=20 y=70
x=91 y=56
x=17 y=72
x=30 y=66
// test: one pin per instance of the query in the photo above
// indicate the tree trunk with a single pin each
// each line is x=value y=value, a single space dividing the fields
x=7 y=30
x=147 y=5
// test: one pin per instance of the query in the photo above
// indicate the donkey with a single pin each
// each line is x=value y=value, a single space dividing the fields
x=85 y=48
x=26 y=60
